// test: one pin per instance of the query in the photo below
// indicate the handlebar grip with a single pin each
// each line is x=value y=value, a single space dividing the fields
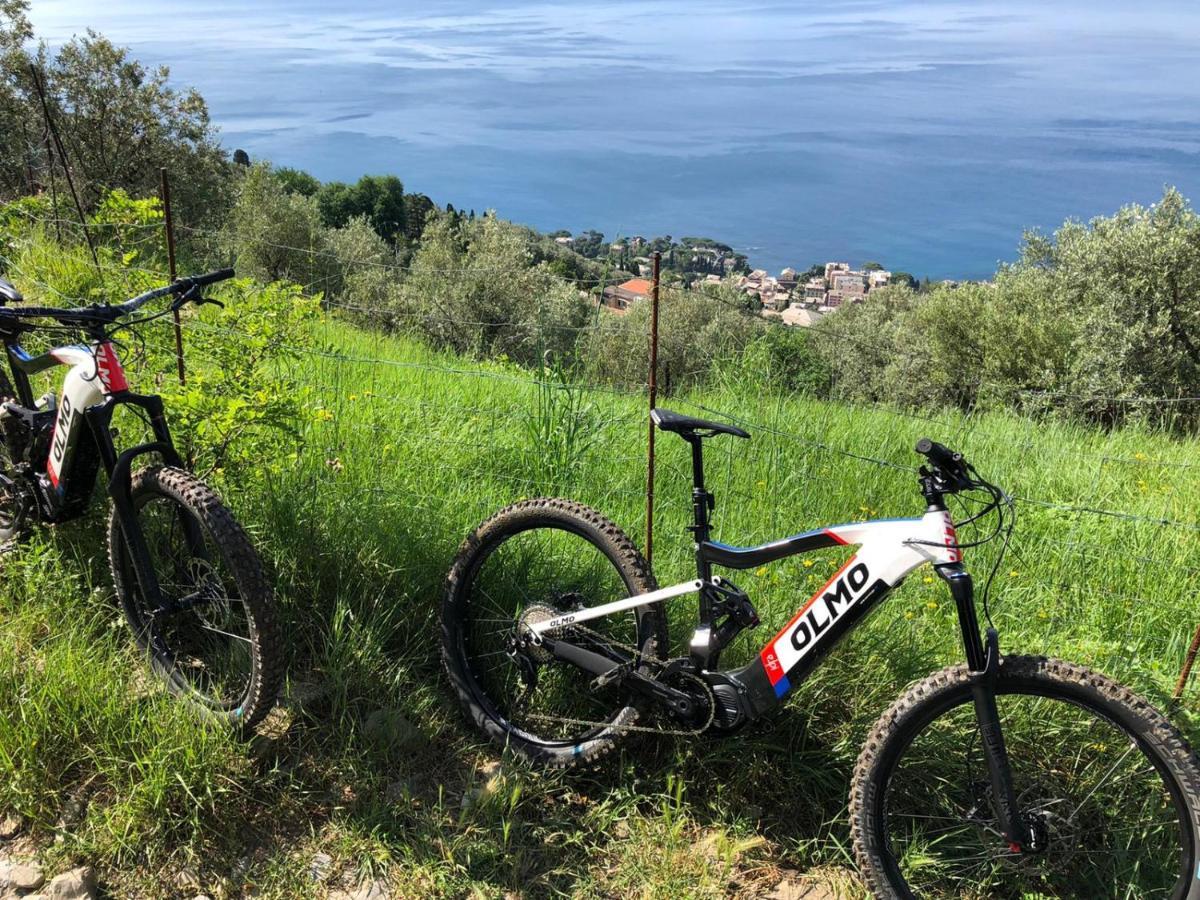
x=938 y=454
x=211 y=277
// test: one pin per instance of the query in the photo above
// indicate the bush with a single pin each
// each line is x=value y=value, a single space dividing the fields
x=697 y=332
x=786 y=360
x=471 y=289
x=276 y=235
x=241 y=409
x=365 y=286
x=1098 y=322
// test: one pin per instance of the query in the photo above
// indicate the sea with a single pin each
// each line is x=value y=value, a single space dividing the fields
x=922 y=134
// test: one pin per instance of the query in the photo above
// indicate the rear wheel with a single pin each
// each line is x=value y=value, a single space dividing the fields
x=528 y=563
x=1107 y=785
x=215 y=639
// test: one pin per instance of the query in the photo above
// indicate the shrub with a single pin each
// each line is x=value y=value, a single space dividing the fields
x=697 y=332
x=242 y=406
x=276 y=235
x=471 y=288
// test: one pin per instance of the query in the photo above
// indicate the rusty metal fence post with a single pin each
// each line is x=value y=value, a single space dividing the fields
x=169 y=228
x=653 y=385
x=1186 y=671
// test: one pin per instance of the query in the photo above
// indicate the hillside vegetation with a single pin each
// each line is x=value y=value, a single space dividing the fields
x=387 y=373
x=400 y=451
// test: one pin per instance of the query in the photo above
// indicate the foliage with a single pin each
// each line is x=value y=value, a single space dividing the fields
x=296 y=181
x=471 y=288
x=366 y=278
x=377 y=198
x=241 y=411
x=784 y=360
x=123 y=121
x=1098 y=321
x=131 y=231
x=277 y=235
x=696 y=332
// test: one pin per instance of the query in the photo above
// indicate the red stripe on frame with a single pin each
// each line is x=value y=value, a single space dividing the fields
x=771 y=664
x=770 y=648
x=109 y=368
x=837 y=537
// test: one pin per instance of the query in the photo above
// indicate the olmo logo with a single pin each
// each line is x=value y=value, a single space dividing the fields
x=826 y=609
x=62 y=435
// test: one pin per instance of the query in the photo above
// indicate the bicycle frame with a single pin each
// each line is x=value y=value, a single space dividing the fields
x=888 y=550
x=94 y=386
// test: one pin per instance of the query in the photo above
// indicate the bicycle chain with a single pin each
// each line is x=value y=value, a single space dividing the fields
x=640 y=657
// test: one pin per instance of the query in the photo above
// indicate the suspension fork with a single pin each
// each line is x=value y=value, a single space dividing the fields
x=983 y=661
x=119 y=467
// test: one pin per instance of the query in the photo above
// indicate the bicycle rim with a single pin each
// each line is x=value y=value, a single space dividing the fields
x=1112 y=817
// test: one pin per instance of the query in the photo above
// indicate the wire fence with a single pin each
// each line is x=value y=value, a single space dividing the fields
x=1089 y=536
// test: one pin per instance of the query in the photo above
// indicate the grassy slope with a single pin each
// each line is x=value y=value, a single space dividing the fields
x=400 y=461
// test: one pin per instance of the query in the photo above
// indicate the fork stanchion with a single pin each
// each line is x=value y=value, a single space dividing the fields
x=653 y=384
x=169 y=228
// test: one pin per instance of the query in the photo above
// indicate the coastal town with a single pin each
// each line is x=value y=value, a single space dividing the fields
x=793 y=298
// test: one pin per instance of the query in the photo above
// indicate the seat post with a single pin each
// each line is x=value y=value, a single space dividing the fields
x=702 y=500
x=702 y=505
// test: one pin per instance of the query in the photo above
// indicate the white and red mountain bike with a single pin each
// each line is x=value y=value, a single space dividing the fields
x=1009 y=776
x=187 y=577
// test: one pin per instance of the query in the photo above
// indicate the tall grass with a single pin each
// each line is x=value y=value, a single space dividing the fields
x=397 y=463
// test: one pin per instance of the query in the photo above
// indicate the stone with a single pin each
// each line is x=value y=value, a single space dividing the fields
x=793 y=887
x=72 y=814
x=186 y=879
x=77 y=884
x=319 y=867
x=10 y=827
x=372 y=890
x=26 y=877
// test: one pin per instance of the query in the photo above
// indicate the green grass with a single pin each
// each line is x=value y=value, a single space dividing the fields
x=399 y=461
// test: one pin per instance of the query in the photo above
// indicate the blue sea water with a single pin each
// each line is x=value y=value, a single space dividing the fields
x=923 y=134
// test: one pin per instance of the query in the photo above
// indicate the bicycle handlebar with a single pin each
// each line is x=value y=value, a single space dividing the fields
x=104 y=313
x=939 y=454
x=948 y=463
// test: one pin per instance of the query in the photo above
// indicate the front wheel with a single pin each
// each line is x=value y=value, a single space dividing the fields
x=214 y=637
x=1105 y=783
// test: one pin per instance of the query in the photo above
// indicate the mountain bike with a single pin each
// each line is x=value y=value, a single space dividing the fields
x=1009 y=776
x=187 y=577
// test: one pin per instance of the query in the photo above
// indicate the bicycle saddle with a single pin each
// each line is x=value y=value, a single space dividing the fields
x=9 y=293
x=688 y=426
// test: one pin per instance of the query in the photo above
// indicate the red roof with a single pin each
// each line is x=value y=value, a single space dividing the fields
x=637 y=286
